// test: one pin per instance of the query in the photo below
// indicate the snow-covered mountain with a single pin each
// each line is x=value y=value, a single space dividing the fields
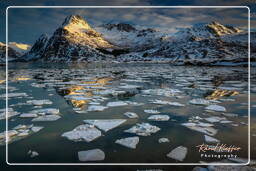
x=73 y=40
x=202 y=44
x=15 y=50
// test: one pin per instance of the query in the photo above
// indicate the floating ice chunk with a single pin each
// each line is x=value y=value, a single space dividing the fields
x=134 y=103
x=230 y=114
x=161 y=92
x=199 y=101
x=131 y=115
x=217 y=108
x=163 y=140
x=206 y=129
x=50 y=111
x=28 y=115
x=129 y=142
x=39 y=102
x=106 y=124
x=176 y=104
x=202 y=124
x=225 y=121
x=91 y=155
x=115 y=104
x=210 y=139
x=33 y=153
x=77 y=97
x=20 y=126
x=178 y=153
x=36 y=128
x=143 y=129
x=189 y=124
x=10 y=113
x=94 y=103
x=84 y=132
x=46 y=118
x=23 y=134
x=151 y=111
x=129 y=86
x=214 y=119
x=11 y=95
x=96 y=108
x=159 y=118
x=161 y=102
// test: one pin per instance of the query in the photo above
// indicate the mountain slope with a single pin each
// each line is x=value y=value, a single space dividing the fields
x=202 y=44
x=15 y=51
x=73 y=40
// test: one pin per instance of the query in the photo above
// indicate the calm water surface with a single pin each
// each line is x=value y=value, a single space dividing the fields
x=57 y=81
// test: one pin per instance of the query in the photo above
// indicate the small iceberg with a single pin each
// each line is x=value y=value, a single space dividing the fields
x=210 y=139
x=96 y=108
x=91 y=155
x=84 y=132
x=115 y=104
x=152 y=111
x=46 y=118
x=216 y=108
x=106 y=124
x=199 y=101
x=143 y=129
x=163 y=140
x=159 y=118
x=130 y=142
x=131 y=115
x=178 y=153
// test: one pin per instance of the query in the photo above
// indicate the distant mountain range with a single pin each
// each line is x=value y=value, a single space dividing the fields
x=202 y=44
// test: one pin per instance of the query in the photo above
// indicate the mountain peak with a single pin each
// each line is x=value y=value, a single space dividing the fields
x=219 y=29
x=75 y=21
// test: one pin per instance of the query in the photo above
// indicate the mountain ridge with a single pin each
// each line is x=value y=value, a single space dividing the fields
x=201 y=44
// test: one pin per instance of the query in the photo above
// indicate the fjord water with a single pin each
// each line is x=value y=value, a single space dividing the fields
x=191 y=81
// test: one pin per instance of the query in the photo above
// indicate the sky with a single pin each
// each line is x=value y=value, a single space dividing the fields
x=25 y=25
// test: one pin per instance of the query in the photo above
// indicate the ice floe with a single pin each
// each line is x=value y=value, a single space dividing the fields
x=9 y=114
x=199 y=101
x=163 y=140
x=91 y=155
x=19 y=132
x=159 y=118
x=131 y=115
x=106 y=124
x=130 y=142
x=84 y=132
x=46 y=118
x=33 y=154
x=214 y=119
x=45 y=111
x=28 y=115
x=143 y=129
x=96 y=108
x=12 y=95
x=203 y=128
x=179 y=153
x=209 y=139
x=151 y=111
x=216 y=108
x=116 y=104
x=39 y=102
